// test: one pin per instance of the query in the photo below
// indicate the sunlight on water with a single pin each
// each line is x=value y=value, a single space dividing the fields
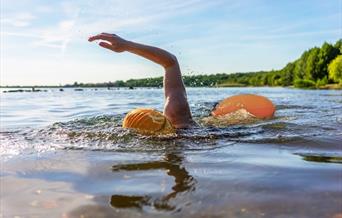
x=66 y=153
x=91 y=120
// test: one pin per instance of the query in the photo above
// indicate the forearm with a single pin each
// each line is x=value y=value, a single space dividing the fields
x=176 y=106
x=154 y=54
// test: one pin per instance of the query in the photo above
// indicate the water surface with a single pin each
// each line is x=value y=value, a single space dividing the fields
x=65 y=154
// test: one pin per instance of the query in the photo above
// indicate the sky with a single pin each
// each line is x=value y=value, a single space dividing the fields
x=45 y=42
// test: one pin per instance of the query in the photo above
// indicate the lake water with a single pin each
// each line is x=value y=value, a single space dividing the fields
x=64 y=154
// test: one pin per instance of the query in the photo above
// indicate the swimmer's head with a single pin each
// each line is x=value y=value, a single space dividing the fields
x=259 y=106
x=148 y=122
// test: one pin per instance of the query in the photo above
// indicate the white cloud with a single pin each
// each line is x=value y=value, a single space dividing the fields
x=84 y=19
x=18 y=20
x=44 y=9
x=70 y=9
x=55 y=37
x=66 y=24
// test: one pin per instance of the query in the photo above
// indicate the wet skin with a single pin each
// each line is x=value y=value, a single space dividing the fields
x=176 y=107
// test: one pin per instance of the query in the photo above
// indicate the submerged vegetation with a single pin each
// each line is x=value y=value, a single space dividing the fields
x=318 y=67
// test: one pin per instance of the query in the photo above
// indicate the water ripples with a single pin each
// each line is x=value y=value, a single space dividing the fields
x=92 y=120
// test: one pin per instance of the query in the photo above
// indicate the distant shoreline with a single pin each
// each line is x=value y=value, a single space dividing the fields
x=37 y=87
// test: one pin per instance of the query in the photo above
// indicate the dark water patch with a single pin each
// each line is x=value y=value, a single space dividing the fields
x=137 y=104
x=287 y=128
x=289 y=106
x=331 y=94
x=280 y=126
x=273 y=126
x=278 y=139
x=321 y=158
x=319 y=144
x=57 y=110
x=172 y=164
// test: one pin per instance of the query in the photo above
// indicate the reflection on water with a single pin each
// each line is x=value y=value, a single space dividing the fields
x=172 y=164
x=288 y=166
x=321 y=158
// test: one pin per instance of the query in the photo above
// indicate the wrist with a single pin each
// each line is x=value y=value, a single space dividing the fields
x=127 y=45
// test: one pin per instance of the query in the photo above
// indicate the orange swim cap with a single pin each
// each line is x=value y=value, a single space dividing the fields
x=259 y=106
x=148 y=122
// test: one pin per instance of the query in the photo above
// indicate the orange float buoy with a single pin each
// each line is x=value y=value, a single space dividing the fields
x=148 y=122
x=259 y=106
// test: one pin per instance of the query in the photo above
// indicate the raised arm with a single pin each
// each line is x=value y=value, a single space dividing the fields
x=176 y=107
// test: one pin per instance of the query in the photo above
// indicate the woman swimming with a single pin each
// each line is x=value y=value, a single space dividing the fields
x=176 y=107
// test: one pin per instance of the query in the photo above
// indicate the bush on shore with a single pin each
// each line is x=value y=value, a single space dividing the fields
x=304 y=83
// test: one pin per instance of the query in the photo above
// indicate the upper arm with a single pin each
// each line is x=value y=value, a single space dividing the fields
x=173 y=82
x=176 y=104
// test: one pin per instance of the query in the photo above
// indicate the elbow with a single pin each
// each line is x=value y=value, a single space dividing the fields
x=170 y=61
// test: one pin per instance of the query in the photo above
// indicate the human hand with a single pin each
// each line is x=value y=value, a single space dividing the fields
x=111 y=41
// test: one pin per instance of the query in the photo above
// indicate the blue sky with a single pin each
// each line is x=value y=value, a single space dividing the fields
x=45 y=42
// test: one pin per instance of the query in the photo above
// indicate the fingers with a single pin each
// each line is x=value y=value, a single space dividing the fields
x=101 y=36
x=106 y=45
x=110 y=34
x=107 y=34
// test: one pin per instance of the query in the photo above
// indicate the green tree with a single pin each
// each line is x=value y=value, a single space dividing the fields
x=338 y=45
x=299 y=71
x=326 y=55
x=322 y=82
x=303 y=83
x=335 y=69
x=311 y=69
x=287 y=74
x=119 y=83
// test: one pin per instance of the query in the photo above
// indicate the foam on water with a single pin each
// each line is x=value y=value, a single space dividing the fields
x=105 y=133
x=91 y=120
